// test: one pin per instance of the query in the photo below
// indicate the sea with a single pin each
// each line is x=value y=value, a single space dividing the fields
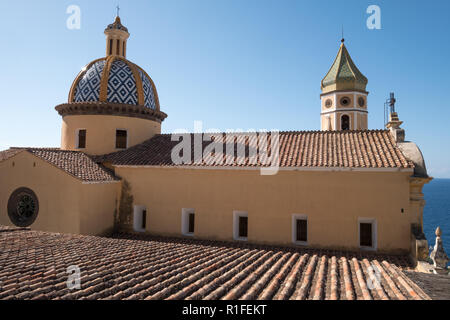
x=437 y=211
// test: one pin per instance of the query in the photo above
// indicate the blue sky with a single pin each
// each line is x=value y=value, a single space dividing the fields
x=233 y=64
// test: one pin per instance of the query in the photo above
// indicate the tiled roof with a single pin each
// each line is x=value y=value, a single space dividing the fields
x=33 y=265
x=341 y=149
x=437 y=286
x=6 y=154
x=75 y=163
x=344 y=69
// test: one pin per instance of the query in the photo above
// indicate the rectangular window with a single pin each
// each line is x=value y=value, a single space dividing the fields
x=144 y=218
x=118 y=47
x=110 y=46
x=243 y=225
x=240 y=225
x=191 y=222
x=187 y=222
x=139 y=218
x=121 y=139
x=302 y=230
x=81 y=139
x=365 y=234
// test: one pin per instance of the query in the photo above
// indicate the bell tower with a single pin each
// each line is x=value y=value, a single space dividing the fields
x=344 y=95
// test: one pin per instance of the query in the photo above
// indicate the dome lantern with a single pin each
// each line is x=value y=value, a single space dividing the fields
x=116 y=38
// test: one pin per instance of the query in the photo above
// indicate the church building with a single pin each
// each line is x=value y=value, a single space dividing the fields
x=341 y=187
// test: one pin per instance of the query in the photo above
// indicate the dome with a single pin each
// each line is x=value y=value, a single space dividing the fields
x=113 y=85
x=114 y=79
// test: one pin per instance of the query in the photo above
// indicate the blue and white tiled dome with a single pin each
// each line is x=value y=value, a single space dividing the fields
x=126 y=83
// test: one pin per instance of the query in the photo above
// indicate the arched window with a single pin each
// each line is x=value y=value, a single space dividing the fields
x=345 y=122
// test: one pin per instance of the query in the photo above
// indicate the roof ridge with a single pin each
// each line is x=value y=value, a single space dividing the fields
x=281 y=131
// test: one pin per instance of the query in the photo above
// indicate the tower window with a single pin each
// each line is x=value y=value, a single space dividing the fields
x=361 y=102
x=345 y=101
x=110 y=46
x=240 y=225
x=118 y=47
x=328 y=103
x=121 y=139
x=345 y=122
x=81 y=139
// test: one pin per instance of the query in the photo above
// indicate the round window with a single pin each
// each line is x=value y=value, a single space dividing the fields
x=345 y=101
x=361 y=102
x=23 y=207
x=328 y=103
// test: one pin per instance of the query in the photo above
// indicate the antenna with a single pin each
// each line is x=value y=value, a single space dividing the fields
x=342 y=33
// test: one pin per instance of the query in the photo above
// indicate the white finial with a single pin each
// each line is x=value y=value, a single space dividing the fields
x=438 y=255
x=118 y=10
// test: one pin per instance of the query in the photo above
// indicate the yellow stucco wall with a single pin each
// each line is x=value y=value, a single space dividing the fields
x=101 y=131
x=66 y=205
x=98 y=204
x=333 y=202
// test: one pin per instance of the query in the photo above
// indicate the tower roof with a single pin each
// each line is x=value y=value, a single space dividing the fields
x=343 y=74
x=116 y=25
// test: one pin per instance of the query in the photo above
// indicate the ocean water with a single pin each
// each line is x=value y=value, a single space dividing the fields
x=437 y=211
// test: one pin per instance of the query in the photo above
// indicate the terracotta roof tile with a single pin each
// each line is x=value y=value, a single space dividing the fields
x=75 y=163
x=33 y=265
x=341 y=149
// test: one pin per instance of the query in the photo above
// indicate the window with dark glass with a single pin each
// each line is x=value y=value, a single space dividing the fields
x=144 y=218
x=82 y=139
x=23 y=207
x=118 y=47
x=365 y=234
x=121 y=139
x=243 y=226
x=191 y=222
x=110 y=46
x=302 y=230
x=345 y=122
